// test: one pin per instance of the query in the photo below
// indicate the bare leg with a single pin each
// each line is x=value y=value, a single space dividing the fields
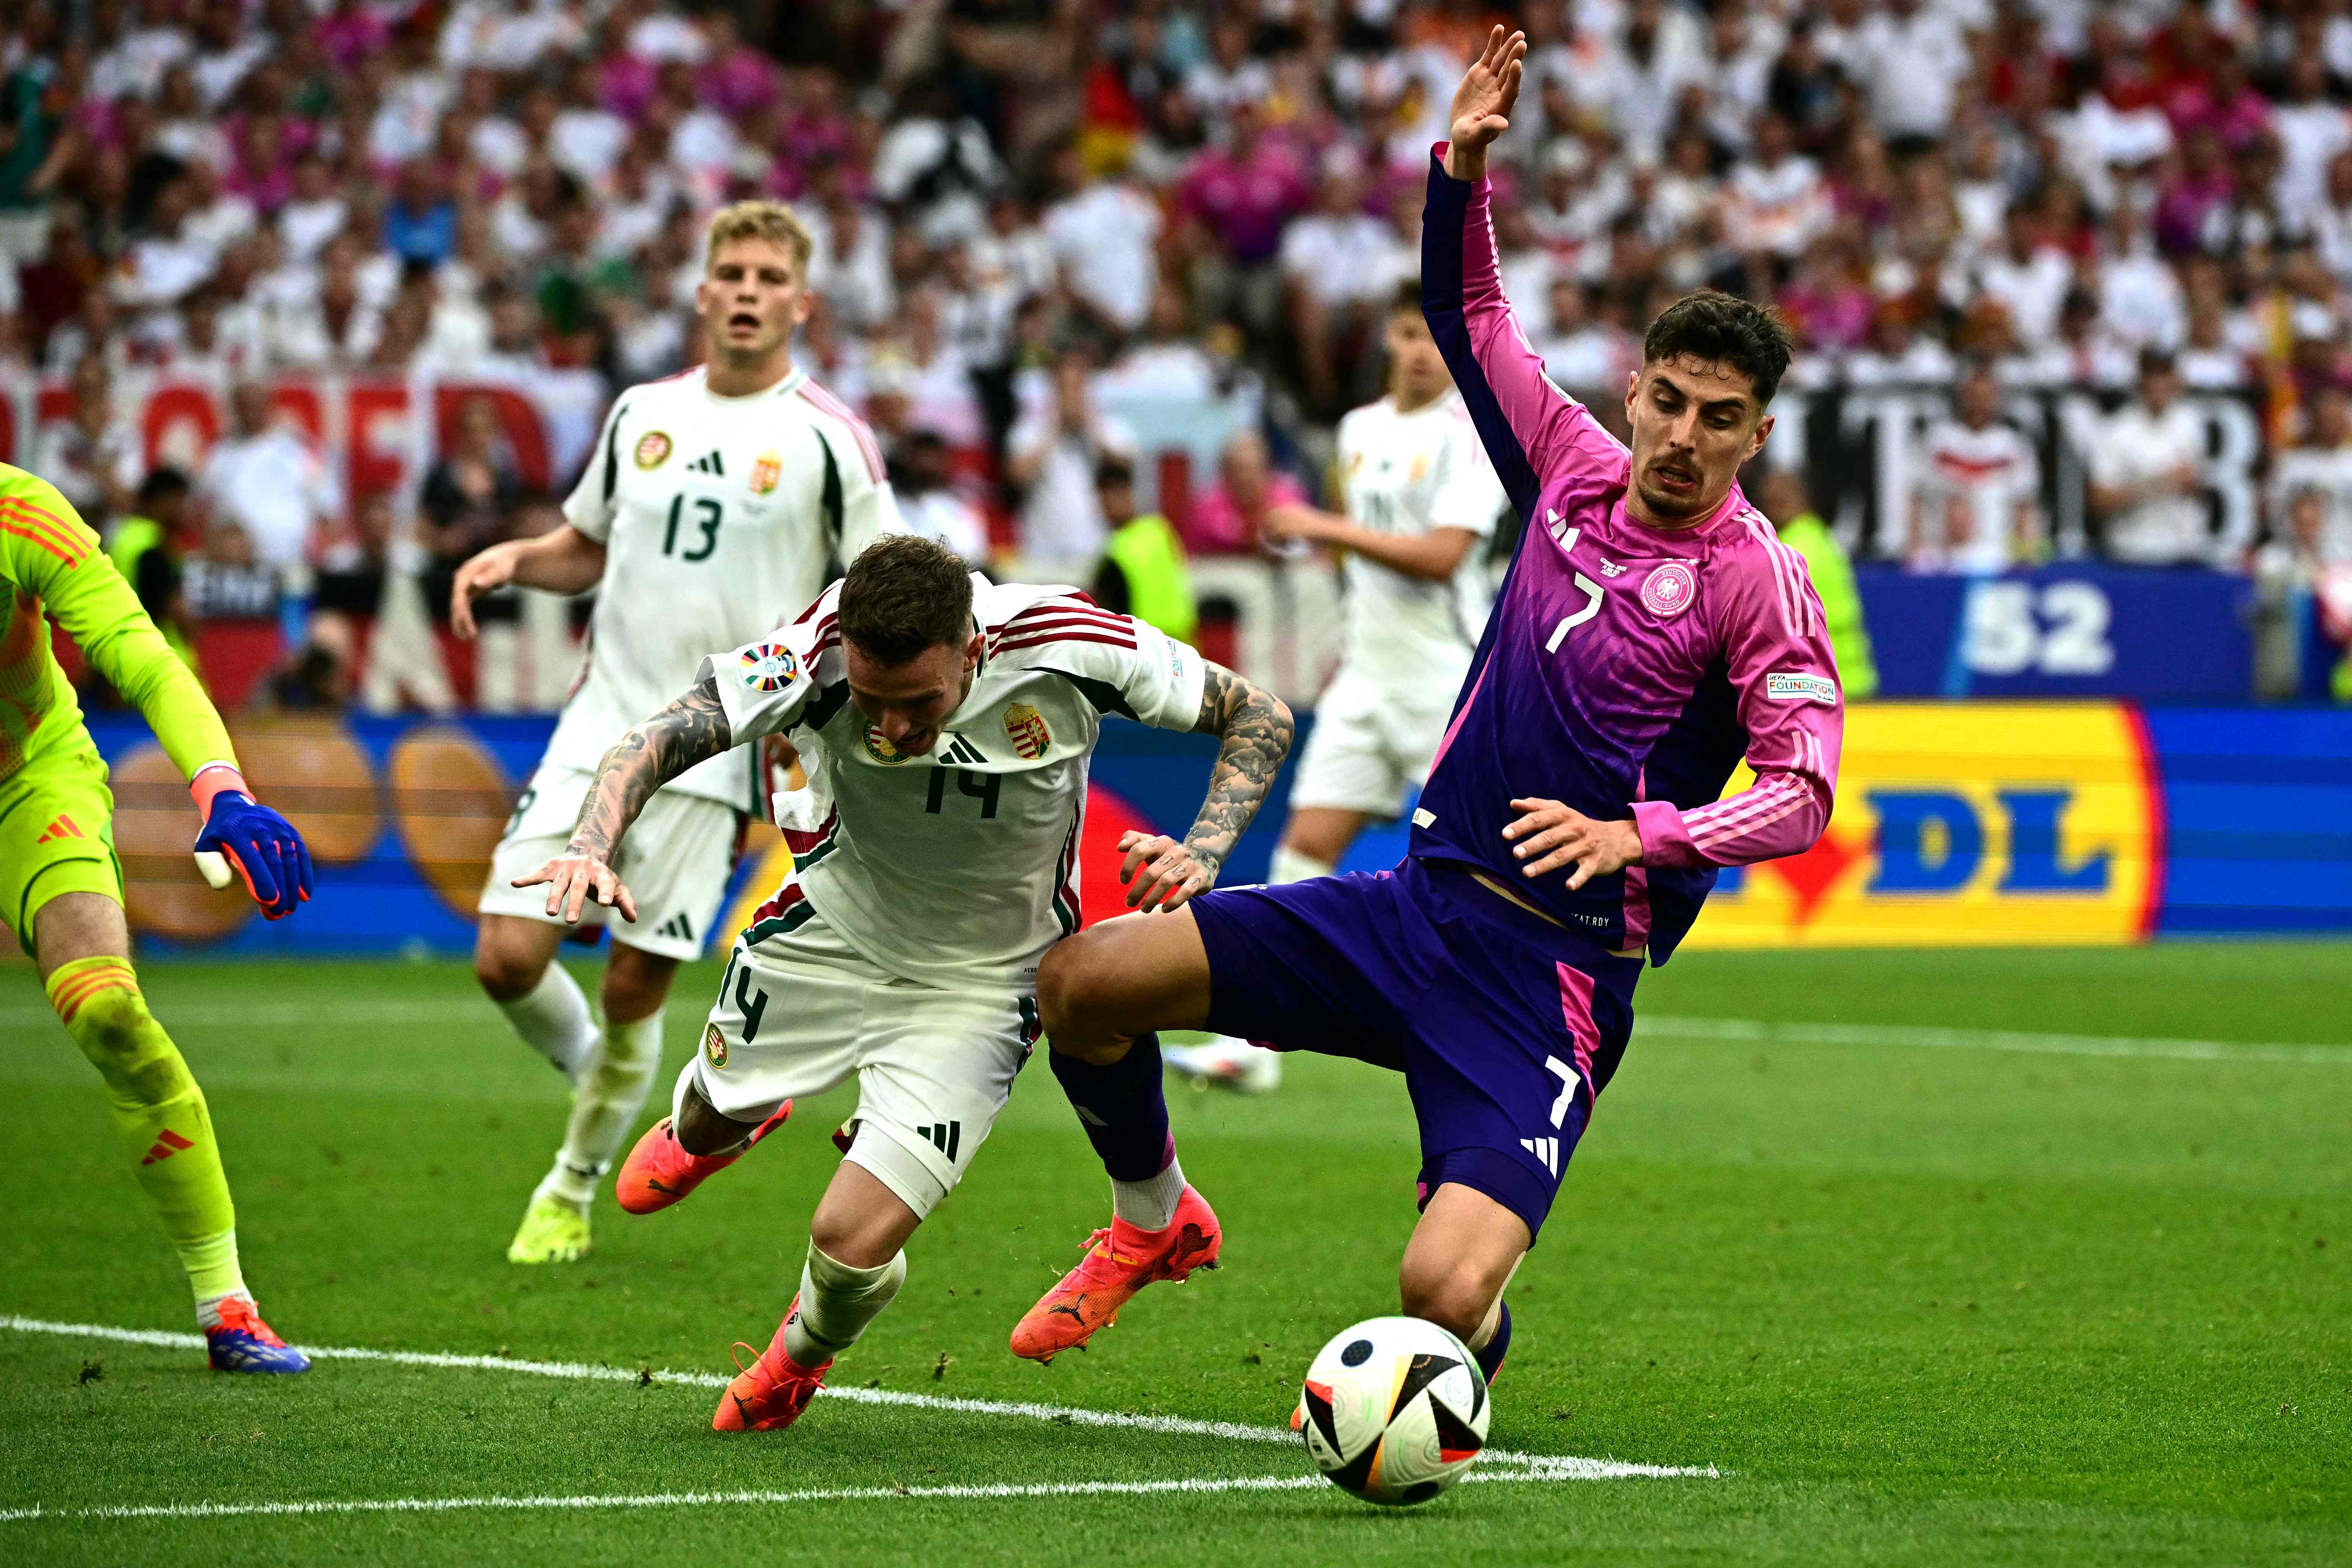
x=1099 y=990
x=1462 y=1255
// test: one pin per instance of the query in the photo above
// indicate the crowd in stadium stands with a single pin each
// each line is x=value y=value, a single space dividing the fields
x=1026 y=210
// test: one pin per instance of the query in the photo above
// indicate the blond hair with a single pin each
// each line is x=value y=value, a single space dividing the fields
x=771 y=221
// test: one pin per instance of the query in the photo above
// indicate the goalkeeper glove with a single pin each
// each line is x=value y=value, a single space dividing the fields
x=261 y=845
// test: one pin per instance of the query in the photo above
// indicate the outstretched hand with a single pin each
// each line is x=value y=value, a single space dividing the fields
x=1483 y=103
x=573 y=879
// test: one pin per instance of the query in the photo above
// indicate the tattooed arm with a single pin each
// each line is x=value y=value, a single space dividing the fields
x=682 y=734
x=1256 y=727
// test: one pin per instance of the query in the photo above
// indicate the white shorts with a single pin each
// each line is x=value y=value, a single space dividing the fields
x=1372 y=745
x=676 y=861
x=803 y=1010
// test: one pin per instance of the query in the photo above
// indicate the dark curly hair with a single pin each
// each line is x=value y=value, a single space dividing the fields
x=903 y=594
x=1723 y=329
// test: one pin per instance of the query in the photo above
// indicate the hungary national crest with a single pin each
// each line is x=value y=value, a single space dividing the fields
x=766 y=472
x=1026 y=727
x=714 y=1045
x=652 y=449
x=770 y=666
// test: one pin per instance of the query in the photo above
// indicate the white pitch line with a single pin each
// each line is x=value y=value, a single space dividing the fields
x=1569 y=1467
x=1191 y=1485
x=1757 y=1031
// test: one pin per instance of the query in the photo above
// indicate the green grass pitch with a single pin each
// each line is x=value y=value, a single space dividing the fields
x=1921 y=1291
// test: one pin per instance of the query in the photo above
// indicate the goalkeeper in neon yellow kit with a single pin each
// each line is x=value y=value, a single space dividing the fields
x=61 y=886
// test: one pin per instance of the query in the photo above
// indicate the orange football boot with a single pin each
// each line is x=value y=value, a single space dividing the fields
x=768 y=1394
x=659 y=1172
x=1120 y=1261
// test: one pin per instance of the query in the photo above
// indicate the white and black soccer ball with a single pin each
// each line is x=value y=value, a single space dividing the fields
x=1394 y=1410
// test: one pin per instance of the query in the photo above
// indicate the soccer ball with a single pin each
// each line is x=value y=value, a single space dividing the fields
x=1394 y=1410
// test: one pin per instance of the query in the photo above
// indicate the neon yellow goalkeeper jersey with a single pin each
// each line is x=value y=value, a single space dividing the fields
x=50 y=561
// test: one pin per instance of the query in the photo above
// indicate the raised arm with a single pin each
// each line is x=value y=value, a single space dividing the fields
x=1255 y=728
x=1531 y=429
x=690 y=729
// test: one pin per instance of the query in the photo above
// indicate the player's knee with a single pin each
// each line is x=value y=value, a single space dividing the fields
x=855 y=1241
x=507 y=975
x=635 y=985
x=1455 y=1299
x=1070 y=988
x=130 y=1049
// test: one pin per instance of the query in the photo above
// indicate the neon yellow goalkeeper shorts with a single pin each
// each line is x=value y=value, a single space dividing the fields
x=57 y=835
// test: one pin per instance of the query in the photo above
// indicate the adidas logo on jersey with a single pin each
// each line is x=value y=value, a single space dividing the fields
x=677 y=928
x=958 y=752
x=713 y=465
x=947 y=1137
x=1544 y=1149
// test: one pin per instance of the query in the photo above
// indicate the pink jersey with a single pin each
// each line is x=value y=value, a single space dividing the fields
x=1626 y=669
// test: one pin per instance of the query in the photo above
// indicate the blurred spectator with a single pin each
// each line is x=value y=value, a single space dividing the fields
x=1143 y=572
x=92 y=455
x=1166 y=360
x=145 y=546
x=264 y=481
x=467 y=504
x=1102 y=233
x=922 y=477
x=1231 y=517
x=1050 y=455
x=2146 y=462
x=1975 y=507
x=2304 y=643
x=2320 y=466
x=1790 y=508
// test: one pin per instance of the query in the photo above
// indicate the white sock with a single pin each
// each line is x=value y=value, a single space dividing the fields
x=612 y=1089
x=1290 y=866
x=208 y=1313
x=554 y=1021
x=837 y=1304
x=1149 y=1205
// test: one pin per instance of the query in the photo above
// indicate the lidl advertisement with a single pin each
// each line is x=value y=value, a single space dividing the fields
x=1967 y=825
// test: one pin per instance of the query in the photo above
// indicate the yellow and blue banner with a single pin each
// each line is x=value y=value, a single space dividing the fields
x=1957 y=825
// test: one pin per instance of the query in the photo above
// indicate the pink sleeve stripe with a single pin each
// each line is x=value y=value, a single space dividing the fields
x=825 y=402
x=1713 y=843
x=1789 y=576
x=1728 y=816
x=1722 y=814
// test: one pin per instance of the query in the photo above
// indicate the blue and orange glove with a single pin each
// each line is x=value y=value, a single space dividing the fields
x=251 y=839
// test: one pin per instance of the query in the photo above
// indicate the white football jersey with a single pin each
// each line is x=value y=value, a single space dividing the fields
x=959 y=867
x=1408 y=474
x=722 y=518
x=1971 y=483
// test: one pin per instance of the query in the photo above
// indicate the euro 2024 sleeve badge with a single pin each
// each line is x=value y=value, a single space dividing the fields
x=770 y=666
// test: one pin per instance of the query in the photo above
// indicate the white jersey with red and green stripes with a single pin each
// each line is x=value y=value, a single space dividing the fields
x=959 y=867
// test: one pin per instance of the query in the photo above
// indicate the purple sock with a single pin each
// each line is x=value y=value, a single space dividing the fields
x=1490 y=1355
x=1123 y=1108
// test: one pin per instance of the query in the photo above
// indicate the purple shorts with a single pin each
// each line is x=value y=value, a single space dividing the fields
x=1505 y=1026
